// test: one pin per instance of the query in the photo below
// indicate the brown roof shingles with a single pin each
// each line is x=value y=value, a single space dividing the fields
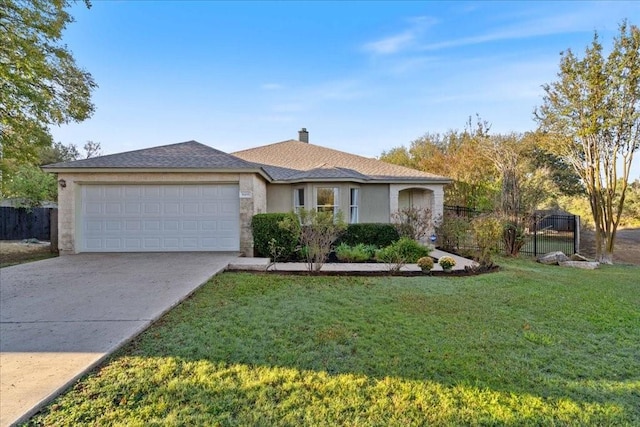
x=303 y=156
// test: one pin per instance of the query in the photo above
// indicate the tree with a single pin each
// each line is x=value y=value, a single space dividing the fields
x=593 y=113
x=454 y=155
x=40 y=83
x=31 y=186
x=523 y=186
x=58 y=152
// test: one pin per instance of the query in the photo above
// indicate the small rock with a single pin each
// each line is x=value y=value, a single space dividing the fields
x=578 y=257
x=553 y=258
x=585 y=265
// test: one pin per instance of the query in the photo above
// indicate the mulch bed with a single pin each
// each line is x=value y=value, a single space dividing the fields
x=453 y=273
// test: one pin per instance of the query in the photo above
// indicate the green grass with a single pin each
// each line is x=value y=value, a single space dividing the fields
x=530 y=345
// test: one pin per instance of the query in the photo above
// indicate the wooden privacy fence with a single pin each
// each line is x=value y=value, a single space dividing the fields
x=544 y=233
x=23 y=223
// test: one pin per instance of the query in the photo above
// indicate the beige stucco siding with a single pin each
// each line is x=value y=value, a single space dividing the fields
x=374 y=203
x=279 y=198
x=69 y=203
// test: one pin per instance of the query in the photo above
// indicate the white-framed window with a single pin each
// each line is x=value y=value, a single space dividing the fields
x=327 y=199
x=354 y=201
x=298 y=199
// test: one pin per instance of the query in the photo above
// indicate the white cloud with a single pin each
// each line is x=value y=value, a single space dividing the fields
x=574 y=21
x=401 y=41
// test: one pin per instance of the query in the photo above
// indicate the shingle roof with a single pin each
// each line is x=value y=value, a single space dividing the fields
x=303 y=156
x=189 y=155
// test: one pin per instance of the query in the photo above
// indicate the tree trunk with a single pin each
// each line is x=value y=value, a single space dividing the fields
x=605 y=258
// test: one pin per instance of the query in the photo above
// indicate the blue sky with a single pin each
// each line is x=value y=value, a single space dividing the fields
x=362 y=77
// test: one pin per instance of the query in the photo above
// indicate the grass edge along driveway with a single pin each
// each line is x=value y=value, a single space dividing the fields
x=530 y=345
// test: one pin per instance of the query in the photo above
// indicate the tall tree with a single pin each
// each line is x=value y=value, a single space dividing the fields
x=40 y=83
x=524 y=186
x=593 y=111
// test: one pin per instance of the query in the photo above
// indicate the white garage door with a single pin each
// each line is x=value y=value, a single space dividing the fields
x=159 y=218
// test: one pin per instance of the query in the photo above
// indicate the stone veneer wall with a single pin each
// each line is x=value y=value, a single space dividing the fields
x=69 y=198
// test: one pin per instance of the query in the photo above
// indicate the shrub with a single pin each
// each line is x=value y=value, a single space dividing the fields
x=412 y=222
x=452 y=232
x=403 y=251
x=378 y=235
x=487 y=231
x=269 y=237
x=316 y=232
x=425 y=263
x=446 y=262
x=357 y=253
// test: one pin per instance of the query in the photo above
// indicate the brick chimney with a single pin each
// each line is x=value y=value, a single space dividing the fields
x=303 y=135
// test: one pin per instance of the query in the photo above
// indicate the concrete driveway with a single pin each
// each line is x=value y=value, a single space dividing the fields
x=62 y=316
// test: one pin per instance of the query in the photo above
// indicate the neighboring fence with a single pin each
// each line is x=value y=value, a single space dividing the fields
x=21 y=223
x=545 y=232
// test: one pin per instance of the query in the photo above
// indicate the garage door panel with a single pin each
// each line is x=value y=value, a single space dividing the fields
x=151 y=225
x=128 y=218
x=151 y=191
x=133 y=192
x=132 y=208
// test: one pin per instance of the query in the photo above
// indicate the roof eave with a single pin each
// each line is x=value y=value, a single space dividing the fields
x=258 y=171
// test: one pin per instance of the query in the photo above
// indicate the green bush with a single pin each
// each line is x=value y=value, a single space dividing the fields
x=487 y=231
x=378 y=235
x=453 y=232
x=266 y=227
x=357 y=253
x=402 y=252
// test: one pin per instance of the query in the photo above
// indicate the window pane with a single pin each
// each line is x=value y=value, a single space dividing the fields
x=326 y=197
x=298 y=195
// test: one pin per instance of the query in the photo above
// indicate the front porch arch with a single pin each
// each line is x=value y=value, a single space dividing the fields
x=419 y=196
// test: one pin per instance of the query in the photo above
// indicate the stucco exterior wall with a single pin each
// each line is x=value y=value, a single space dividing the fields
x=69 y=203
x=280 y=198
x=374 y=203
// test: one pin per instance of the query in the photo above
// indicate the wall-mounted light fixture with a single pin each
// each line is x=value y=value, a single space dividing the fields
x=62 y=183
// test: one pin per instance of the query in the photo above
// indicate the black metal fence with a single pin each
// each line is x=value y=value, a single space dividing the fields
x=21 y=223
x=543 y=233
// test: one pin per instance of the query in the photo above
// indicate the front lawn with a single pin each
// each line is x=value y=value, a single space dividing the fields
x=530 y=345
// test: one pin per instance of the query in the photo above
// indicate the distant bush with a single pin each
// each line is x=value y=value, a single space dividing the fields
x=403 y=251
x=268 y=234
x=357 y=253
x=378 y=235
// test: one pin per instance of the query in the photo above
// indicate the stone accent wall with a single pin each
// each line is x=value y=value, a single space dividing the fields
x=69 y=203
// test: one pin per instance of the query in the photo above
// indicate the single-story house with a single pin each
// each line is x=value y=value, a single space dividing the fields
x=191 y=197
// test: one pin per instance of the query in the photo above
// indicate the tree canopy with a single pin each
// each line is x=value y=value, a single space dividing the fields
x=593 y=114
x=40 y=83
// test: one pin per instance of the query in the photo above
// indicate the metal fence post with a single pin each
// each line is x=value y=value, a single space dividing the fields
x=535 y=235
x=576 y=234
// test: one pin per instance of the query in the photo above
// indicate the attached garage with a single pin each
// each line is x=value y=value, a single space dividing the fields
x=159 y=218
x=174 y=198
